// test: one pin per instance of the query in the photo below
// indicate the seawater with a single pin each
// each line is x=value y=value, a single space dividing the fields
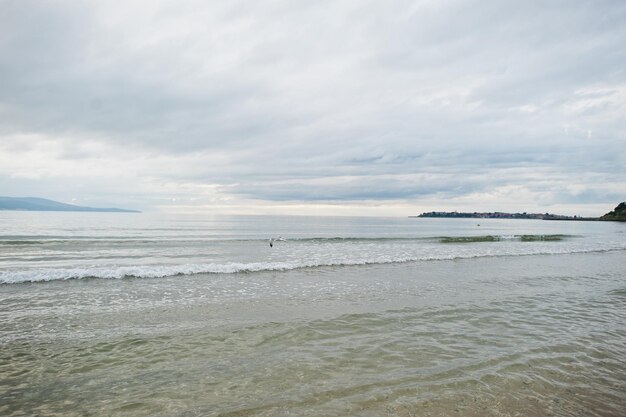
x=140 y=314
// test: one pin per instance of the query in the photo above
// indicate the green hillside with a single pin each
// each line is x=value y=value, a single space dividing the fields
x=618 y=214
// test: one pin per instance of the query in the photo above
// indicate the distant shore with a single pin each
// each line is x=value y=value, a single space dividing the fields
x=618 y=214
x=501 y=215
x=43 y=204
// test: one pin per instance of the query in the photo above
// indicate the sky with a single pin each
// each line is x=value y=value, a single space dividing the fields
x=355 y=107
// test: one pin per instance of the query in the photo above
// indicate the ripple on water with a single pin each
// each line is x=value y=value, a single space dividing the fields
x=559 y=352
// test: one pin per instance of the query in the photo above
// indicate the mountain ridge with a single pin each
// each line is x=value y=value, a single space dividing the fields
x=43 y=204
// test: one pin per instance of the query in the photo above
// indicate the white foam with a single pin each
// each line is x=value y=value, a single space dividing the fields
x=160 y=271
x=143 y=271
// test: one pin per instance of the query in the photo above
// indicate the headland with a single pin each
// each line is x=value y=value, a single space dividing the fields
x=618 y=214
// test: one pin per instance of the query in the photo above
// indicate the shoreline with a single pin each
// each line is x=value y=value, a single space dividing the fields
x=618 y=214
x=569 y=219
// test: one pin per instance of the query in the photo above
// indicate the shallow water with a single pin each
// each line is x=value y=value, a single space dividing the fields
x=507 y=327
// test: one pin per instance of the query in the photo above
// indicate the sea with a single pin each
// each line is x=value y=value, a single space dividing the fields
x=146 y=314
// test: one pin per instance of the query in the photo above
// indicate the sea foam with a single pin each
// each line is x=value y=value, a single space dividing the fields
x=160 y=271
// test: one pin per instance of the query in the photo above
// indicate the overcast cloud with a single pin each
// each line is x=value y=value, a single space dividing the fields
x=328 y=107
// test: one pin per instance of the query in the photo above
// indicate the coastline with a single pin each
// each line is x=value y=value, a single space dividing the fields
x=618 y=214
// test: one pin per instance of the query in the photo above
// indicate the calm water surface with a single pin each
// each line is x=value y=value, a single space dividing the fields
x=137 y=315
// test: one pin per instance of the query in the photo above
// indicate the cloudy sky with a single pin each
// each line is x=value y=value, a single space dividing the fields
x=315 y=107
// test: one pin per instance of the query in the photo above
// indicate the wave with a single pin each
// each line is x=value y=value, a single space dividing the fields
x=498 y=238
x=125 y=240
x=161 y=271
x=22 y=242
x=18 y=241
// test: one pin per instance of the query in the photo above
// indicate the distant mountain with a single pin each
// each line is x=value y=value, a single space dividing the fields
x=42 y=204
x=618 y=214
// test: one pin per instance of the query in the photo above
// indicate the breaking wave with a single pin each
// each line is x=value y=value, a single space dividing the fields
x=161 y=271
x=498 y=238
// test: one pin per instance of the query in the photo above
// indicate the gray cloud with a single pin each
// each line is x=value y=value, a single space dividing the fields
x=326 y=101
